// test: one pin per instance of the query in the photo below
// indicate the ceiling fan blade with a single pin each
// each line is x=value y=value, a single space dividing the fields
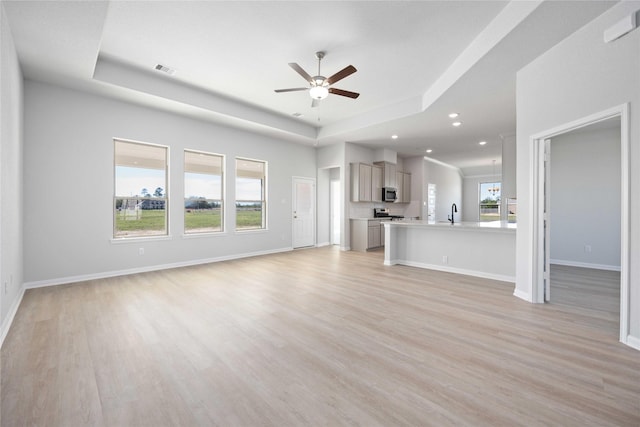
x=298 y=69
x=315 y=103
x=293 y=89
x=341 y=92
x=345 y=72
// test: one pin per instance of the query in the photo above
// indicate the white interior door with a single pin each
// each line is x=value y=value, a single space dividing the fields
x=304 y=207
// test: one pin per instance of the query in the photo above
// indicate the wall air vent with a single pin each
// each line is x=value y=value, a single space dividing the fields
x=165 y=69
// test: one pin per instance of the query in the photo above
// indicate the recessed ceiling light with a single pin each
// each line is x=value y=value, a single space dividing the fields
x=482 y=142
x=456 y=124
x=429 y=150
x=453 y=115
x=394 y=136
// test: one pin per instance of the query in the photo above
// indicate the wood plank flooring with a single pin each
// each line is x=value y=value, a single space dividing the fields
x=314 y=337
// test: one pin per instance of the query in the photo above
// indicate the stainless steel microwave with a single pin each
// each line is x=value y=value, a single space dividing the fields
x=389 y=194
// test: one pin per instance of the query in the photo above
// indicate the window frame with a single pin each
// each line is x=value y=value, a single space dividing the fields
x=115 y=197
x=498 y=200
x=222 y=193
x=263 y=201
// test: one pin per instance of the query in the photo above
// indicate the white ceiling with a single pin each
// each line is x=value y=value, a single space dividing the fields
x=417 y=61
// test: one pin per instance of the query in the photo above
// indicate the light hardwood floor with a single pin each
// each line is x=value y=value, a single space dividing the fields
x=315 y=337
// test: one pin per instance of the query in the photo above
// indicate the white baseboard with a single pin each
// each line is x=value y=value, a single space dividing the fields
x=320 y=245
x=447 y=269
x=585 y=265
x=6 y=325
x=633 y=342
x=106 y=274
x=522 y=295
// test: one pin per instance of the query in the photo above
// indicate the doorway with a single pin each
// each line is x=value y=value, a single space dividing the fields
x=583 y=209
x=543 y=208
x=334 y=208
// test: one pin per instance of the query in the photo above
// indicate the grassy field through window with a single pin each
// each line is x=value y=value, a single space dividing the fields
x=248 y=218
x=151 y=222
x=147 y=222
x=202 y=220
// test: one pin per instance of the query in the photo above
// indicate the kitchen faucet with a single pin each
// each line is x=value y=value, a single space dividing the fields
x=454 y=208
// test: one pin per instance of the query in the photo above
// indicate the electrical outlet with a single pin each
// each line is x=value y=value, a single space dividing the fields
x=587 y=248
x=445 y=259
x=141 y=251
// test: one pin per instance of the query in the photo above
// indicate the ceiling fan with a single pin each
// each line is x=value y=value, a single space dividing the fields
x=320 y=86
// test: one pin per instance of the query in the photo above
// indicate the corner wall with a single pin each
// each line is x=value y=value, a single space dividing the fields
x=11 y=179
x=579 y=77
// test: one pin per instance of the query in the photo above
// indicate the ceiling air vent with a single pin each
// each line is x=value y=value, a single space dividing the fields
x=165 y=69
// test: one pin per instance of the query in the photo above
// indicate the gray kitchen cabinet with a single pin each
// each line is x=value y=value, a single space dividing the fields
x=404 y=187
x=366 y=183
x=388 y=174
x=376 y=183
x=366 y=234
x=361 y=182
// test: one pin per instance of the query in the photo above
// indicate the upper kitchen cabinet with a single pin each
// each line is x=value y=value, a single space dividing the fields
x=403 y=181
x=388 y=174
x=366 y=183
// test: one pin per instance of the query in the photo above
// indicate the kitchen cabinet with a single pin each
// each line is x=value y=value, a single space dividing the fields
x=404 y=187
x=366 y=183
x=360 y=182
x=376 y=183
x=366 y=234
x=388 y=174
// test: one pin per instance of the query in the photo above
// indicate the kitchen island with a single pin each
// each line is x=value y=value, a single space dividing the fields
x=482 y=249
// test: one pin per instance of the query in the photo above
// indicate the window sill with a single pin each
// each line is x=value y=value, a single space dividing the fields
x=252 y=231
x=202 y=235
x=137 y=239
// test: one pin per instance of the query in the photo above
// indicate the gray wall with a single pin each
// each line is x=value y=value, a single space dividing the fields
x=579 y=77
x=68 y=161
x=448 y=182
x=585 y=198
x=11 y=190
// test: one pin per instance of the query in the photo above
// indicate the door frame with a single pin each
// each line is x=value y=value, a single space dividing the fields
x=331 y=208
x=537 y=182
x=313 y=210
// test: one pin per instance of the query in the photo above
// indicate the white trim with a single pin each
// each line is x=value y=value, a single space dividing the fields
x=447 y=165
x=585 y=265
x=203 y=234
x=107 y=274
x=8 y=320
x=320 y=245
x=522 y=295
x=475 y=273
x=138 y=239
x=633 y=342
x=536 y=178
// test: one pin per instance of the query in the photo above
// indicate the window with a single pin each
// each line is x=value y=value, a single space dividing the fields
x=140 y=199
x=490 y=201
x=203 y=200
x=251 y=199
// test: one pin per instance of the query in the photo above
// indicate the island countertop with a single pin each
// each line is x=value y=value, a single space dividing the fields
x=483 y=249
x=464 y=225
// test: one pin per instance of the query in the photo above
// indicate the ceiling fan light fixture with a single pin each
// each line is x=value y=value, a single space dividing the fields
x=319 y=92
